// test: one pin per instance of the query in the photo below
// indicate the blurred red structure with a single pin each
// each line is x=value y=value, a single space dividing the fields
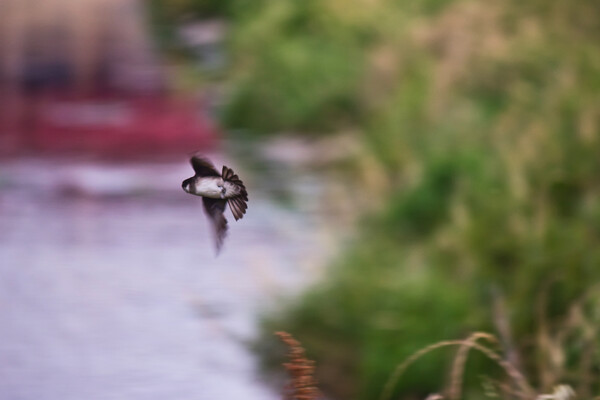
x=107 y=125
x=84 y=76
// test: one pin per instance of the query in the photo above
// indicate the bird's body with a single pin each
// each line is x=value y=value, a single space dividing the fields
x=208 y=186
x=213 y=187
x=216 y=191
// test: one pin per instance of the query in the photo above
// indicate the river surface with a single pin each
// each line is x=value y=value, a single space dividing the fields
x=110 y=287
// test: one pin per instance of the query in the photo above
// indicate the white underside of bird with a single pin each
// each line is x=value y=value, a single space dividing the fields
x=212 y=187
x=207 y=187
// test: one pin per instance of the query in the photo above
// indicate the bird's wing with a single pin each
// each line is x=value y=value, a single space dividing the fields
x=238 y=207
x=203 y=167
x=239 y=196
x=214 y=209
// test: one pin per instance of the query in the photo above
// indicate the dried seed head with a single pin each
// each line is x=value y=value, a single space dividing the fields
x=302 y=385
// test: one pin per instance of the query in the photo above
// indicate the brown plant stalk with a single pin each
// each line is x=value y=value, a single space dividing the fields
x=302 y=385
x=458 y=366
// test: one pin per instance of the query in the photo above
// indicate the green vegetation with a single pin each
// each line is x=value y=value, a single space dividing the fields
x=485 y=121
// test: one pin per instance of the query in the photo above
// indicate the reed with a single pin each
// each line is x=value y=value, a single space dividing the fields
x=302 y=385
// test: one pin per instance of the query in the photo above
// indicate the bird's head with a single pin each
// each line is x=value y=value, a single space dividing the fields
x=185 y=185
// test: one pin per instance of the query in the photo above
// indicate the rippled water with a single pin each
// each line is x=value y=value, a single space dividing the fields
x=110 y=287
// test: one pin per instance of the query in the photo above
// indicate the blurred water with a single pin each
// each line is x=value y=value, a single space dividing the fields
x=110 y=288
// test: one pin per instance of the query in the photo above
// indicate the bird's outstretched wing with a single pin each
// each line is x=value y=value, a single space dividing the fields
x=203 y=167
x=214 y=210
x=237 y=195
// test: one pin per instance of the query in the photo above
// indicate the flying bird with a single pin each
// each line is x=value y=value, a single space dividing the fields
x=216 y=191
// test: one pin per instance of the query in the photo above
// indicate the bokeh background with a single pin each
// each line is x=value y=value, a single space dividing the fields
x=418 y=171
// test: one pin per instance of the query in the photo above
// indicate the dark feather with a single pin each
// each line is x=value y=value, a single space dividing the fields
x=238 y=207
x=237 y=204
x=227 y=173
x=214 y=209
x=234 y=209
x=203 y=167
x=242 y=204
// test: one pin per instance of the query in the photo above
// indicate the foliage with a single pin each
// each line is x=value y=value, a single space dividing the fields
x=485 y=119
x=296 y=67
